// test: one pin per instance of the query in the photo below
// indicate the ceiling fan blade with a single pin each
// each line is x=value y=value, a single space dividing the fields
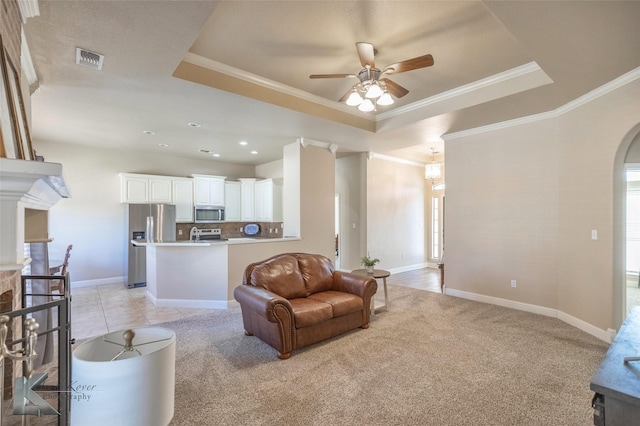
x=332 y=75
x=394 y=88
x=366 y=53
x=409 y=64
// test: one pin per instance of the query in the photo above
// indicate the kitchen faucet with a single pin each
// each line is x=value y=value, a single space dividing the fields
x=194 y=234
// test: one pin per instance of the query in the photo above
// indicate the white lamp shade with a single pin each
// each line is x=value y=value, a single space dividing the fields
x=354 y=99
x=135 y=389
x=385 y=99
x=374 y=91
x=366 y=106
x=432 y=171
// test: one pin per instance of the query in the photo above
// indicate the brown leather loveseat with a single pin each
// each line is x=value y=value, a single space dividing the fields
x=293 y=300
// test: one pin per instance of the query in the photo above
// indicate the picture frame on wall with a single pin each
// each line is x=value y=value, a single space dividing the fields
x=20 y=116
x=7 y=123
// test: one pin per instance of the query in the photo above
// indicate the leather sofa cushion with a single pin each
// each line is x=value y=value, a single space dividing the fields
x=308 y=312
x=280 y=276
x=317 y=272
x=341 y=303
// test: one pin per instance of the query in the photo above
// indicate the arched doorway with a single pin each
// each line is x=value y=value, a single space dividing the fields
x=628 y=152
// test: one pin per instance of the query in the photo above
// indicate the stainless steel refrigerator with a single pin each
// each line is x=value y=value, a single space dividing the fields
x=163 y=230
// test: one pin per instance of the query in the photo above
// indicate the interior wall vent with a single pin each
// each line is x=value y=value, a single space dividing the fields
x=89 y=59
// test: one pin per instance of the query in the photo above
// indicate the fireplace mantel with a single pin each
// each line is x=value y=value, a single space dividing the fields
x=24 y=185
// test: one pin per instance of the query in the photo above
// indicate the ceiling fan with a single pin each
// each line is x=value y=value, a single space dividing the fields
x=372 y=90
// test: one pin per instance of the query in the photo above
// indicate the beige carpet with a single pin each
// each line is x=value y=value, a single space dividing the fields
x=430 y=360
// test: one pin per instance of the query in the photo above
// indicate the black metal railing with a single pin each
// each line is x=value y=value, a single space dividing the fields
x=61 y=303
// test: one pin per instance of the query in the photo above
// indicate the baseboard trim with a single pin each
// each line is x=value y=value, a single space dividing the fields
x=194 y=304
x=100 y=281
x=410 y=267
x=402 y=268
x=604 y=335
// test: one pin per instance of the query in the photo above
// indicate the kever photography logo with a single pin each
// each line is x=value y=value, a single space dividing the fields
x=33 y=399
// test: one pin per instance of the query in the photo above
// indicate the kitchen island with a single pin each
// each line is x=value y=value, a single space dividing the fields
x=203 y=274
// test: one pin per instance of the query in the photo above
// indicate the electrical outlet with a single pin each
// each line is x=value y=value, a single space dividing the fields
x=513 y=283
x=276 y=230
x=241 y=229
x=179 y=231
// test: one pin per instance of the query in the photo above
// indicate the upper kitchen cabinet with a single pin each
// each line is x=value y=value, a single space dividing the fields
x=268 y=201
x=209 y=190
x=138 y=188
x=232 y=201
x=247 y=196
x=183 y=199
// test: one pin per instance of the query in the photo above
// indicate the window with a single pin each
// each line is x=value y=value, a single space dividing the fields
x=435 y=228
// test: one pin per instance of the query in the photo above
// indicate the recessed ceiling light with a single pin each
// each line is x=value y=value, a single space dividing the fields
x=192 y=124
x=254 y=152
x=148 y=132
x=163 y=145
x=243 y=143
x=216 y=155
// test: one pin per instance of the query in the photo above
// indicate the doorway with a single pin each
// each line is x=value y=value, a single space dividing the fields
x=337 y=230
x=627 y=157
x=632 y=236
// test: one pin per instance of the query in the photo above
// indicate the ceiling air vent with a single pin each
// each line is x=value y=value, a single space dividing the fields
x=89 y=59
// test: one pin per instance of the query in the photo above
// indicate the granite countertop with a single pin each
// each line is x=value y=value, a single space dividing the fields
x=208 y=243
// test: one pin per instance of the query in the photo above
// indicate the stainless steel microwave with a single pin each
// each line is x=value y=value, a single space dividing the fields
x=208 y=214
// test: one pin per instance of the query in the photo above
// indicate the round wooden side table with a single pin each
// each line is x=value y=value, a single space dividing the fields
x=376 y=274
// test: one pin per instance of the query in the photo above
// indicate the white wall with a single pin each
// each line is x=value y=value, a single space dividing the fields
x=502 y=214
x=93 y=219
x=522 y=202
x=273 y=170
x=396 y=214
x=351 y=187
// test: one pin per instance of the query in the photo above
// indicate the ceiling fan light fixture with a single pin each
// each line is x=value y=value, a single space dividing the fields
x=374 y=91
x=385 y=99
x=366 y=106
x=354 y=98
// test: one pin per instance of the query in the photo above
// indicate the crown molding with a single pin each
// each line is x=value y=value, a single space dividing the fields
x=305 y=142
x=26 y=62
x=525 y=70
x=371 y=155
x=596 y=93
x=28 y=9
x=210 y=64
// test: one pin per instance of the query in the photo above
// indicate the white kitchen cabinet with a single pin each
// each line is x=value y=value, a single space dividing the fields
x=232 y=201
x=160 y=189
x=209 y=190
x=139 y=188
x=268 y=201
x=183 y=199
x=247 y=195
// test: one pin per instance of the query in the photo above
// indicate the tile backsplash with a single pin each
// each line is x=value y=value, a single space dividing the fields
x=231 y=229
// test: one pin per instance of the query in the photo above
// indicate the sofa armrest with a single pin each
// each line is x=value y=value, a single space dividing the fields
x=360 y=285
x=261 y=301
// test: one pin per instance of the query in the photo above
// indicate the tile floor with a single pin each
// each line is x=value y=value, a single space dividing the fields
x=102 y=309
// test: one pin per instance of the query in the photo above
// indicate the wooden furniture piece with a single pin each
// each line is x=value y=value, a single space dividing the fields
x=60 y=270
x=377 y=273
x=617 y=380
